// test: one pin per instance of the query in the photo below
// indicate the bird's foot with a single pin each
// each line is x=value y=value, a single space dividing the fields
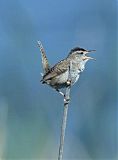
x=68 y=82
x=66 y=100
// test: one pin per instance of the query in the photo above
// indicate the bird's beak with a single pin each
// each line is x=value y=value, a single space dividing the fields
x=88 y=58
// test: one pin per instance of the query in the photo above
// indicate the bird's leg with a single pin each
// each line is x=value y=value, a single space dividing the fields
x=68 y=82
x=60 y=92
x=65 y=100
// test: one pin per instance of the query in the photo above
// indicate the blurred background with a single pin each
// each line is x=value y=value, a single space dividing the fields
x=31 y=113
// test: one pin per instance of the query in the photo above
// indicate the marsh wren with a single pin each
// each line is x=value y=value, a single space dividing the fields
x=67 y=71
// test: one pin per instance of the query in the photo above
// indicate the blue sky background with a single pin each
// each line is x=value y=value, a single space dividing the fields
x=30 y=113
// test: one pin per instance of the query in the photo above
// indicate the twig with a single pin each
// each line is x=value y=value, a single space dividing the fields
x=64 y=121
x=65 y=113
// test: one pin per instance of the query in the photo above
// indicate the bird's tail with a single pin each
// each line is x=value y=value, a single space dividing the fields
x=46 y=66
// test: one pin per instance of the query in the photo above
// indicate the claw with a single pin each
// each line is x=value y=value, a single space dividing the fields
x=68 y=82
x=66 y=101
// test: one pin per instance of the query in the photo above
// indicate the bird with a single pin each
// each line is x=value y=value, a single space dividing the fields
x=67 y=71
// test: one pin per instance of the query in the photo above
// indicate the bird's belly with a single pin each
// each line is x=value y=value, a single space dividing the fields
x=75 y=76
x=75 y=79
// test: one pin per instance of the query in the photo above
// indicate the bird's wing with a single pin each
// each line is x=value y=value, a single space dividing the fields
x=46 y=66
x=58 y=69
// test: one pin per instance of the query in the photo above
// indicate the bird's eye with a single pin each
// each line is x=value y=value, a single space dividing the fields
x=81 y=52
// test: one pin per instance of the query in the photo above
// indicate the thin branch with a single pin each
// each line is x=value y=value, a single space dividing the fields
x=65 y=113
x=64 y=121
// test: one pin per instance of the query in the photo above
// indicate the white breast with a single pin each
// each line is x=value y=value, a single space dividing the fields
x=75 y=76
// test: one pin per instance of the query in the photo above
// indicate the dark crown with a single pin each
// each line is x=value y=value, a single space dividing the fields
x=76 y=49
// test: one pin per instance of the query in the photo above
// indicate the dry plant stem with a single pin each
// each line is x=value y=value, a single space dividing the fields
x=64 y=121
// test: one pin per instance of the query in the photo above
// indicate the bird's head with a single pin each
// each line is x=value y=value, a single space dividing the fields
x=80 y=54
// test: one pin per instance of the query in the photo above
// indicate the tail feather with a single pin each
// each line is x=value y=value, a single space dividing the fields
x=46 y=66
